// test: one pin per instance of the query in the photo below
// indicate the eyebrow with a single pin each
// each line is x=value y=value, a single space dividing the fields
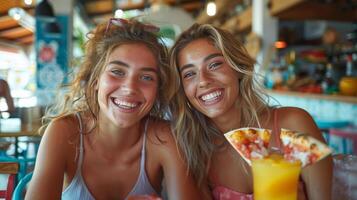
x=118 y=62
x=204 y=60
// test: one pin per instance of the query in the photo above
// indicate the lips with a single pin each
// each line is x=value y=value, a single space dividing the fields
x=125 y=105
x=211 y=97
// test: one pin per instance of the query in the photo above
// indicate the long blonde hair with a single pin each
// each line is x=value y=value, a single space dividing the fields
x=194 y=131
x=80 y=94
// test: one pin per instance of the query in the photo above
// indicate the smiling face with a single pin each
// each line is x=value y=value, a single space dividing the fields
x=210 y=84
x=127 y=88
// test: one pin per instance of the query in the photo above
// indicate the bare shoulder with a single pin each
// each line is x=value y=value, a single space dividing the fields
x=298 y=119
x=62 y=131
x=293 y=112
x=60 y=140
x=63 y=127
x=57 y=150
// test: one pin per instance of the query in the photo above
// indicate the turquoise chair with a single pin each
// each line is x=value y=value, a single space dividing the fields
x=23 y=162
x=21 y=186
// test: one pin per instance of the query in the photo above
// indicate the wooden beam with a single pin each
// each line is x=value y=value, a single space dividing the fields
x=319 y=11
x=132 y=6
x=7 y=22
x=192 y=6
x=15 y=33
x=223 y=6
x=98 y=7
x=245 y=19
x=26 y=40
x=312 y=10
x=230 y=24
x=240 y=22
x=189 y=6
x=278 y=6
x=5 y=5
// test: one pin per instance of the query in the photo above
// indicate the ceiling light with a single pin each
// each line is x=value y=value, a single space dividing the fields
x=23 y=18
x=17 y=16
x=211 y=8
x=28 y=2
x=119 y=13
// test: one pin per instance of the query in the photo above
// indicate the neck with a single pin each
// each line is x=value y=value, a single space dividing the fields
x=229 y=121
x=111 y=137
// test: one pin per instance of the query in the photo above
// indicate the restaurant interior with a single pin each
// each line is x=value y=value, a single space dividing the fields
x=305 y=52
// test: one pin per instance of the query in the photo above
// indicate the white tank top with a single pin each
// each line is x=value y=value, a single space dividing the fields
x=77 y=189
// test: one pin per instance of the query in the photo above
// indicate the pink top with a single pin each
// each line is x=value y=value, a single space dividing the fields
x=224 y=193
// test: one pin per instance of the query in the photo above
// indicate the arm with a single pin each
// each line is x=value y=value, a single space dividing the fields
x=317 y=177
x=179 y=183
x=47 y=180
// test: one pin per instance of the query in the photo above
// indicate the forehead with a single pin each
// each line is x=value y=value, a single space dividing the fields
x=133 y=52
x=130 y=48
x=197 y=50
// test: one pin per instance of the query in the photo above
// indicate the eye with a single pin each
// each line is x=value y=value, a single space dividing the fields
x=147 y=78
x=214 y=65
x=188 y=74
x=118 y=72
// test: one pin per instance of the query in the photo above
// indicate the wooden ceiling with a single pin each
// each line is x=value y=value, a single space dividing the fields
x=96 y=10
x=99 y=10
x=10 y=30
x=226 y=17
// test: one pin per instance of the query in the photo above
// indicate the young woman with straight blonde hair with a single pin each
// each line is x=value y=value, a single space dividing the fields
x=218 y=92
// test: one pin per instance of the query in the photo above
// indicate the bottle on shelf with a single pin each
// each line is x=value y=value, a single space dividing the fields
x=328 y=84
x=274 y=77
x=349 y=66
x=291 y=74
x=348 y=83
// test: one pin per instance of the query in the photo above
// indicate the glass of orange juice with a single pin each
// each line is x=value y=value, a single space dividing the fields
x=275 y=178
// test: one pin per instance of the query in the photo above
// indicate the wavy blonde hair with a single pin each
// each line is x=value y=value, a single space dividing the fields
x=81 y=95
x=194 y=131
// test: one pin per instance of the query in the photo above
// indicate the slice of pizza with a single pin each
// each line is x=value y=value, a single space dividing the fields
x=299 y=146
x=251 y=143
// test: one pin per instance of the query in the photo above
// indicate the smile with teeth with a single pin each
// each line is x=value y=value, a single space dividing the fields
x=211 y=96
x=125 y=104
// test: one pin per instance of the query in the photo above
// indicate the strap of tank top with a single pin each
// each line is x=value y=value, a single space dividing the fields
x=276 y=128
x=80 y=159
x=143 y=150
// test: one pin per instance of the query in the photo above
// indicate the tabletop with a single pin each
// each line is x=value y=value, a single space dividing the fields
x=9 y=167
x=13 y=127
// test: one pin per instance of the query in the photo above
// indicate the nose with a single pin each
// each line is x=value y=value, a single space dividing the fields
x=129 y=86
x=204 y=79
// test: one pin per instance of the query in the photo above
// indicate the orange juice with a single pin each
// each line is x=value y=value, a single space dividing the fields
x=275 y=178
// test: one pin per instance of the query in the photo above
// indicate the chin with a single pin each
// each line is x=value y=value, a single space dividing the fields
x=122 y=121
x=212 y=113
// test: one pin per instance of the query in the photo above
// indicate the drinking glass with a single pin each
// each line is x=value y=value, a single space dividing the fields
x=344 y=177
x=275 y=178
